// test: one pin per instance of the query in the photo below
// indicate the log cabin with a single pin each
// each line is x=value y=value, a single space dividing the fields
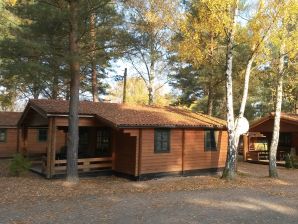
x=9 y=133
x=138 y=142
x=258 y=140
x=11 y=137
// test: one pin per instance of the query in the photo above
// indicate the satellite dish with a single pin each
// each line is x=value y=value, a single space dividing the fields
x=242 y=124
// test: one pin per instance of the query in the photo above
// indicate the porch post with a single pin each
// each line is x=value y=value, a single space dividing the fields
x=49 y=149
x=18 y=139
x=113 y=148
x=53 y=146
x=25 y=140
x=245 y=146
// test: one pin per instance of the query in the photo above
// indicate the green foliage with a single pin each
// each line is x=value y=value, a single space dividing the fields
x=289 y=161
x=19 y=165
x=34 y=57
x=136 y=93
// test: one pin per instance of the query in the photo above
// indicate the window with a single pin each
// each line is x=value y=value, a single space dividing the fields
x=42 y=135
x=211 y=138
x=103 y=141
x=83 y=138
x=3 y=134
x=285 y=140
x=161 y=140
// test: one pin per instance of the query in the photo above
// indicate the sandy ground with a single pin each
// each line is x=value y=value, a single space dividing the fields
x=251 y=198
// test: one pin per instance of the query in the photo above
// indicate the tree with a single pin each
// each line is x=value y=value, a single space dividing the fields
x=230 y=167
x=61 y=42
x=283 y=43
x=136 y=93
x=199 y=58
x=34 y=61
x=149 y=23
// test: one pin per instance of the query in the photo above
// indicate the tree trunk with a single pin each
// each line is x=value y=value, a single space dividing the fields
x=244 y=97
x=210 y=102
x=55 y=88
x=230 y=167
x=35 y=91
x=124 y=86
x=93 y=58
x=73 y=130
x=151 y=84
x=275 y=136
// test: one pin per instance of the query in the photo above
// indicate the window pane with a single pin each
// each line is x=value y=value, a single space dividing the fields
x=159 y=136
x=103 y=141
x=165 y=146
x=158 y=146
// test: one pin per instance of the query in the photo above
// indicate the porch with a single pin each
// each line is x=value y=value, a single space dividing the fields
x=99 y=146
x=255 y=147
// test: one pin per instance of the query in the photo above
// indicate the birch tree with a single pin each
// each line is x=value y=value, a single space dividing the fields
x=285 y=41
x=258 y=31
x=150 y=24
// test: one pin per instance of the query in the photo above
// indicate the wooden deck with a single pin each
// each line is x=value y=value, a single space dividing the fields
x=85 y=166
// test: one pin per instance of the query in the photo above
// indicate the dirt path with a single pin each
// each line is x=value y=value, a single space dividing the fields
x=252 y=198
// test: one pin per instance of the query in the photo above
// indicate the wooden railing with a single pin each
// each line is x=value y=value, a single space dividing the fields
x=84 y=165
x=258 y=155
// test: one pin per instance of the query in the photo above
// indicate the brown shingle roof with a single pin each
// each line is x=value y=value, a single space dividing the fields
x=283 y=116
x=121 y=115
x=291 y=117
x=9 y=119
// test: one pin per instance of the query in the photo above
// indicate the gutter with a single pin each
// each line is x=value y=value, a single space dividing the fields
x=66 y=115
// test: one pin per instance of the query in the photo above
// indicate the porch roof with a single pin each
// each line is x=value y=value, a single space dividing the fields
x=128 y=116
x=9 y=119
x=288 y=117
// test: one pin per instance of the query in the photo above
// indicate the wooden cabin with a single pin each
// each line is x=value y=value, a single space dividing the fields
x=138 y=142
x=260 y=135
x=11 y=137
x=9 y=133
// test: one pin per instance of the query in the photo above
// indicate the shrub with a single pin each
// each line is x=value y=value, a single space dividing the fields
x=289 y=161
x=19 y=165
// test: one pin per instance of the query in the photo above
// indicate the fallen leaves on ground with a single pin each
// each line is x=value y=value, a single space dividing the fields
x=33 y=187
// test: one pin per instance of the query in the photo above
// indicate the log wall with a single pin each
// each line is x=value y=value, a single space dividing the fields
x=9 y=148
x=185 y=153
x=125 y=153
x=37 y=147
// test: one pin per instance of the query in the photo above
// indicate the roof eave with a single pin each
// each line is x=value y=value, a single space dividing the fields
x=122 y=126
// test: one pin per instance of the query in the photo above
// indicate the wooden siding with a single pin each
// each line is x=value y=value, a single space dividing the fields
x=135 y=133
x=161 y=162
x=125 y=153
x=83 y=122
x=34 y=119
x=36 y=147
x=9 y=148
x=194 y=156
